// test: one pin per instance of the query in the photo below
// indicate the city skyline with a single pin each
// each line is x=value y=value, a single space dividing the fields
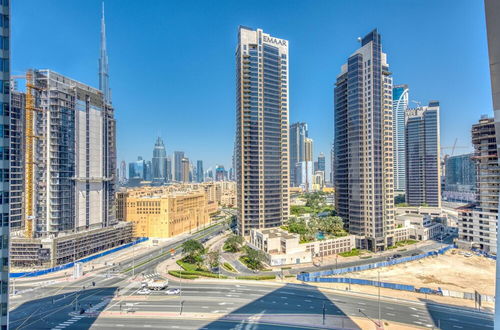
x=310 y=78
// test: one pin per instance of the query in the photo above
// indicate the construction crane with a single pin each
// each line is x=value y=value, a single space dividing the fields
x=30 y=137
x=454 y=147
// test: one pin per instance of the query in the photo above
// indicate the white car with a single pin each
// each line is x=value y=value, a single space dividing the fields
x=144 y=291
x=172 y=291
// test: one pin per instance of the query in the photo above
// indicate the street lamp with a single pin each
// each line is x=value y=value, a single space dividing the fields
x=379 y=310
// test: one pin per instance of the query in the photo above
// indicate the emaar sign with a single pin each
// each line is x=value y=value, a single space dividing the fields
x=274 y=41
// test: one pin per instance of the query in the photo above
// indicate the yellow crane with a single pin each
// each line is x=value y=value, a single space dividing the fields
x=29 y=147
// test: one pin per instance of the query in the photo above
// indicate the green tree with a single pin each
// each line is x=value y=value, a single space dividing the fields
x=193 y=250
x=213 y=259
x=233 y=243
x=254 y=258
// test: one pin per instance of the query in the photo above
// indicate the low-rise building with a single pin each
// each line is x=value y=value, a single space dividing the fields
x=420 y=227
x=284 y=248
x=163 y=212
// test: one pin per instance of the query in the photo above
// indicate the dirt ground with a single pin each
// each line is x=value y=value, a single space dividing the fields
x=449 y=271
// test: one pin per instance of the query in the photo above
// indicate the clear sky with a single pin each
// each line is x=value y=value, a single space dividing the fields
x=172 y=67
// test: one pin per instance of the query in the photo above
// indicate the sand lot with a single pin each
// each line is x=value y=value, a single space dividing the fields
x=450 y=272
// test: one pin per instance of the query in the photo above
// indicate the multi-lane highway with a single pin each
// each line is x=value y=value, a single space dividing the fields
x=114 y=302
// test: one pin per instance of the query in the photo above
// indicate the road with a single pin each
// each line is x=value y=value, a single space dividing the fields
x=114 y=303
x=227 y=304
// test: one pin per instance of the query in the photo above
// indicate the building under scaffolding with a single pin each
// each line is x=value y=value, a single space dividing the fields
x=67 y=247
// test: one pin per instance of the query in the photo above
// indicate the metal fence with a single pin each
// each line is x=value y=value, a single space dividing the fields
x=69 y=265
x=309 y=277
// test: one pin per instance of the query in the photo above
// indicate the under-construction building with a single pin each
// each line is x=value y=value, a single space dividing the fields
x=70 y=156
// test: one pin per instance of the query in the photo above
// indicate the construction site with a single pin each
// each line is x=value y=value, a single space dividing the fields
x=63 y=179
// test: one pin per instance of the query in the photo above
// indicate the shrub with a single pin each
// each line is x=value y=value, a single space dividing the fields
x=256 y=277
x=181 y=275
x=227 y=266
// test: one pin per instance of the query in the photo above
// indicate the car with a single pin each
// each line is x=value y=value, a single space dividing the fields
x=144 y=291
x=397 y=256
x=173 y=291
x=414 y=254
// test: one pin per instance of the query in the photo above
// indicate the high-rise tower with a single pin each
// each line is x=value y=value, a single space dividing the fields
x=159 y=161
x=4 y=163
x=399 y=107
x=262 y=166
x=363 y=145
x=423 y=170
x=298 y=135
x=103 y=63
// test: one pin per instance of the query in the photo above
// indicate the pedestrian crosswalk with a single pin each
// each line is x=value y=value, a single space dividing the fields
x=92 y=312
x=150 y=276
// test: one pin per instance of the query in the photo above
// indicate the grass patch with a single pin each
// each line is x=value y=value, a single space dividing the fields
x=227 y=266
x=257 y=277
x=197 y=273
x=290 y=276
x=187 y=266
x=244 y=261
x=352 y=253
x=285 y=268
x=180 y=274
x=365 y=257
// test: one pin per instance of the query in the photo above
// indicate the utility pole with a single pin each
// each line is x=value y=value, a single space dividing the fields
x=133 y=260
x=324 y=313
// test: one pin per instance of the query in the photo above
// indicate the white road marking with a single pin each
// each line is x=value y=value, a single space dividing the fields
x=390 y=308
x=308 y=300
x=458 y=326
x=361 y=303
x=391 y=314
x=415 y=315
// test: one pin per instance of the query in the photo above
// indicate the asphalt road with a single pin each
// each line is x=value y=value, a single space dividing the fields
x=232 y=305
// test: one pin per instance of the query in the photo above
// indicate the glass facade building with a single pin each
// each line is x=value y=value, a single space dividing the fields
x=460 y=173
x=423 y=170
x=178 y=156
x=298 y=134
x=4 y=161
x=262 y=154
x=399 y=106
x=199 y=171
x=363 y=179
x=159 y=162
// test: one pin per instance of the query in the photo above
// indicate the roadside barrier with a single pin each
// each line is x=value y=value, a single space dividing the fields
x=309 y=277
x=71 y=264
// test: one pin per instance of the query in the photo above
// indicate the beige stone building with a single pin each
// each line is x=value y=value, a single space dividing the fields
x=163 y=212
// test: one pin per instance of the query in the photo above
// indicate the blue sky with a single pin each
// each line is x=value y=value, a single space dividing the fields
x=173 y=71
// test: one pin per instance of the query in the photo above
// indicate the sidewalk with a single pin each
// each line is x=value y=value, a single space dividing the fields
x=297 y=320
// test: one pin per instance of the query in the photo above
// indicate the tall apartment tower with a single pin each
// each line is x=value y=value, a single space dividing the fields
x=199 y=171
x=4 y=161
x=262 y=162
x=185 y=170
x=363 y=145
x=321 y=162
x=16 y=200
x=71 y=186
x=298 y=134
x=178 y=156
x=399 y=107
x=477 y=223
x=159 y=161
x=423 y=170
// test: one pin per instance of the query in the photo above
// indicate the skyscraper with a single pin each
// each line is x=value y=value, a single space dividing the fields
x=305 y=169
x=178 y=156
x=399 y=107
x=148 y=170
x=321 y=162
x=72 y=182
x=461 y=173
x=423 y=171
x=220 y=173
x=159 y=161
x=492 y=10
x=17 y=106
x=363 y=139
x=262 y=164
x=199 y=171
x=4 y=164
x=103 y=63
x=298 y=134
x=185 y=170
x=169 y=169
x=477 y=223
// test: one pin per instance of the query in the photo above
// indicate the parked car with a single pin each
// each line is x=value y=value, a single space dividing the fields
x=173 y=291
x=414 y=254
x=397 y=256
x=144 y=291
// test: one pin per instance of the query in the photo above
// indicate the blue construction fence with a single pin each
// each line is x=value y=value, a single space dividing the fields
x=71 y=264
x=313 y=277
